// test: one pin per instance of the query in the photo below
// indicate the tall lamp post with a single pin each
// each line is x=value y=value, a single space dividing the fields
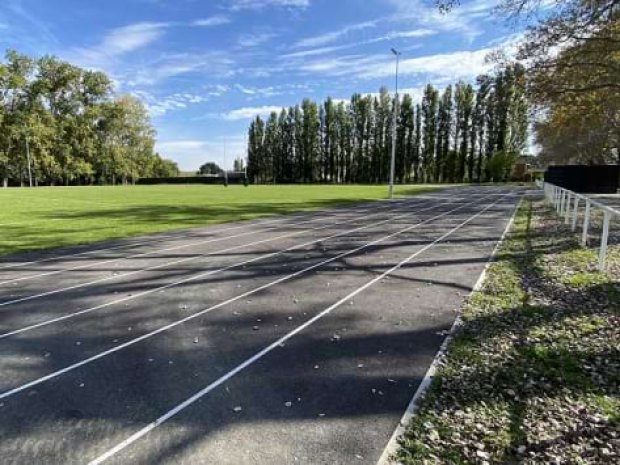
x=394 y=123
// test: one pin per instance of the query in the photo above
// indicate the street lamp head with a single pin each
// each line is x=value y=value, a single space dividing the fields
x=395 y=52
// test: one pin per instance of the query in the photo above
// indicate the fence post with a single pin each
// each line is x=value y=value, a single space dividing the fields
x=564 y=199
x=567 y=208
x=586 y=224
x=603 y=252
x=575 y=209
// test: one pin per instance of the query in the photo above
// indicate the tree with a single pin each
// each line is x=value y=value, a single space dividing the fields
x=209 y=168
x=444 y=166
x=572 y=54
x=255 y=150
x=310 y=140
x=351 y=142
x=164 y=168
x=239 y=164
x=404 y=151
x=479 y=120
x=76 y=130
x=429 y=113
x=464 y=107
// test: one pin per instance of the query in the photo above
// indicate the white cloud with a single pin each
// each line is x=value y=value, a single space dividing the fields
x=254 y=40
x=211 y=21
x=327 y=38
x=159 y=105
x=191 y=153
x=248 y=113
x=455 y=65
x=271 y=91
x=465 y=19
x=129 y=38
x=237 y=5
x=391 y=36
x=211 y=65
x=463 y=64
x=117 y=42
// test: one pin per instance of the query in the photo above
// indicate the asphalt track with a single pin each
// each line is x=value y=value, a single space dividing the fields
x=296 y=339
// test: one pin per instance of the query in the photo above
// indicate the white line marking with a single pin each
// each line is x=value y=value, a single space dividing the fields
x=142 y=432
x=154 y=252
x=176 y=262
x=392 y=445
x=214 y=307
x=228 y=267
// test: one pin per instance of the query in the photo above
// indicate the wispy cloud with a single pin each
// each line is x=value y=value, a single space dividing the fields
x=330 y=37
x=271 y=91
x=466 y=20
x=247 y=113
x=416 y=33
x=211 y=21
x=461 y=64
x=237 y=5
x=254 y=40
x=159 y=105
x=210 y=65
x=118 y=42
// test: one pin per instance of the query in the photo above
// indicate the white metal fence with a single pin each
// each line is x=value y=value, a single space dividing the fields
x=568 y=204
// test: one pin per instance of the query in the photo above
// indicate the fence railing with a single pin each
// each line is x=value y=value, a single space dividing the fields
x=567 y=204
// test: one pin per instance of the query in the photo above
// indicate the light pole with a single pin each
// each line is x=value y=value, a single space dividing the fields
x=395 y=121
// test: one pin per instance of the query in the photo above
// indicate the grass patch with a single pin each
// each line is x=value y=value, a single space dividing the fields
x=533 y=372
x=48 y=217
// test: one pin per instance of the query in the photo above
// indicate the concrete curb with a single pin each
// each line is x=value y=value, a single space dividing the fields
x=392 y=445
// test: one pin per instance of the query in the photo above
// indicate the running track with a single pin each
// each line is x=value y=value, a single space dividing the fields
x=296 y=339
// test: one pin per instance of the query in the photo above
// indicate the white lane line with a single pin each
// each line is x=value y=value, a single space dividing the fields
x=152 y=252
x=162 y=329
x=226 y=268
x=177 y=236
x=179 y=261
x=392 y=446
x=250 y=361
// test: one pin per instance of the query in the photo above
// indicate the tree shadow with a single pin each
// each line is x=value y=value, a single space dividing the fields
x=541 y=356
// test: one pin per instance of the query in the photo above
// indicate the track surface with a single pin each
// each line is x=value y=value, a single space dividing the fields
x=297 y=339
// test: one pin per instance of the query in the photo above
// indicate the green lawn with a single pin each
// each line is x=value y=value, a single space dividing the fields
x=41 y=218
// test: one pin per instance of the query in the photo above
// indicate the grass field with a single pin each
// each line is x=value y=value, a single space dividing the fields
x=41 y=218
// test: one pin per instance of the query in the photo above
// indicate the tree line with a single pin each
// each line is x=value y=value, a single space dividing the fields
x=572 y=52
x=464 y=133
x=60 y=124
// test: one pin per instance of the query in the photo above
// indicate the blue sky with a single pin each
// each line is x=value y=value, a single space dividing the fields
x=205 y=68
